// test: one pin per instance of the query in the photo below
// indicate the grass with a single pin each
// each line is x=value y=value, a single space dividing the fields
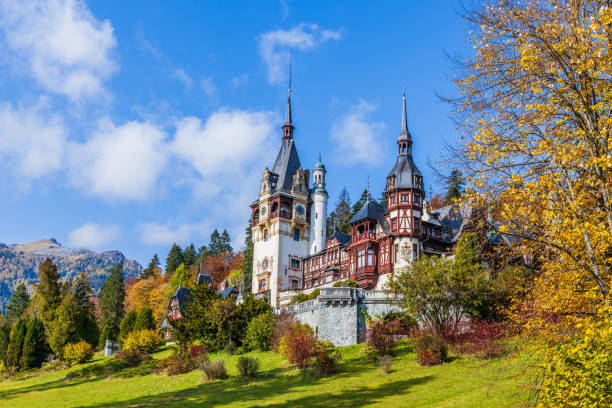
x=463 y=382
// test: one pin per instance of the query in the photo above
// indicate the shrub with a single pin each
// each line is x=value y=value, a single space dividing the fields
x=214 y=370
x=145 y=320
x=348 y=283
x=146 y=340
x=248 y=367
x=132 y=357
x=326 y=358
x=104 y=367
x=480 y=338
x=35 y=347
x=380 y=336
x=77 y=353
x=577 y=374
x=431 y=350
x=259 y=332
x=385 y=363
x=127 y=325
x=298 y=344
x=184 y=359
x=145 y=368
x=105 y=334
x=282 y=324
x=302 y=297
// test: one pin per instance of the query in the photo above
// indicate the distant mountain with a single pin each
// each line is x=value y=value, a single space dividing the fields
x=20 y=262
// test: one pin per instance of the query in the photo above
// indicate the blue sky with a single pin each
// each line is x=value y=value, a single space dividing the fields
x=131 y=125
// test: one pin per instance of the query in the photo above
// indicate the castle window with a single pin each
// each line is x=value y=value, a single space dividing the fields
x=295 y=263
x=295 y=284
x=264 y=264
x=265 y=235
x=417 y=199
x=274 y=207
x=393 y=224
x=262 y=284
x=296 y=234
x=395 y=252
x=415 y=252
x=370 y=256
x=361 y=259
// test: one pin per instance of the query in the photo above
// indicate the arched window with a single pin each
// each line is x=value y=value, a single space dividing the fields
x=256 y=216
x=264 y=264
x=265 y=235
x=262 y=284
x=370 y=256
x=296 y=234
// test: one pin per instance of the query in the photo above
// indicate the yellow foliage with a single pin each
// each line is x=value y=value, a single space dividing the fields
x=77 y=353
x=151 y=292
x=146 y=341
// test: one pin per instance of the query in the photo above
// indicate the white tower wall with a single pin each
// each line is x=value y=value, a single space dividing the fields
x=318 y=222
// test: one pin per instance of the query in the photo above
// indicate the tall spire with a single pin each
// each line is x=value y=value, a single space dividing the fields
x=288 y=126
x=404 y=134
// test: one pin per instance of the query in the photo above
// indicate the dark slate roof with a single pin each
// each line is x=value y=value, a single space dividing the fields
x=404 y=171
x=232 y=290
x=183 y=295
x=205 y=278
x=343 y=239
x=371 y=210
x=287 y=163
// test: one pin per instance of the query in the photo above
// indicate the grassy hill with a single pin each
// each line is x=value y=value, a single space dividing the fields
x=463 y=382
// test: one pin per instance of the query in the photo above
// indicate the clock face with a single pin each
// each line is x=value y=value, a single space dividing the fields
x=299 y=209
x=263 y=210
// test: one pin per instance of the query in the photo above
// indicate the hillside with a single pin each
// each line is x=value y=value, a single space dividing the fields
x=463 y=382
x=20 y=262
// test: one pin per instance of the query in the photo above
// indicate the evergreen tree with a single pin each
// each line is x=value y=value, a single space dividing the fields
x=112 y=295
x=105 y=334
x=214 y=244
x=181 y=277
x=383 y=197
x=203 y=252
x=455 y=185
x=17 y=337
x=48 y=290
x=361 y=202
x=247 y=260
x=190 y=256
x=331 y=224
x=174 y=259
x=35 y=347
x=152 y=269
x=66 y=325
x=18 y=303
x=5 y=338
x=127 y=324
x=82 y=291
x=225 y=242
x=195 y=324
x=342 y=212
x=145 y=320
x=87 y=328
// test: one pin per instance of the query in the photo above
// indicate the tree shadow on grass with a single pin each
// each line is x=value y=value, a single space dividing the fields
x=59 y=383
x=251 y=393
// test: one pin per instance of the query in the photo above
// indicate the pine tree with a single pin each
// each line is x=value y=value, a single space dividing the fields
x=365 y=195
x=195 y=324
x=35 y=347
x=383 y=197
x=225 y=242
x=174 y=259
x=48 y=290
x=455 y=186
x=247 y=260
x=112 y=295
x=87 y=328
x=203 y=252
x=343 y=212
x=18 y=303
x=190 y=256
x=127 y=324
x=5 y=338
x=105 y=334
x=66 y=325
x=82 y=291
x=17 y=337
x=214 y=244
x=145 y=320
x=152 y=269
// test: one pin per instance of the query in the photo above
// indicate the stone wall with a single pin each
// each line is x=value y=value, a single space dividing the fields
x=337 y=314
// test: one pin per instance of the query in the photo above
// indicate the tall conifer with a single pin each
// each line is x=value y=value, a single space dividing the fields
x=174 y=259
x=18 y=303
x=17 y=337
x=112 y=295
x=35 y=347
x=48 y=290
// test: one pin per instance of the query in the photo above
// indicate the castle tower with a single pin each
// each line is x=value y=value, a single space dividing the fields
x=280 y=221
x=405 y=197
x=318 y=213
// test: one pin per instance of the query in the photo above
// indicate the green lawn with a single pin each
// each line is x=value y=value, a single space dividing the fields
x=463 y=382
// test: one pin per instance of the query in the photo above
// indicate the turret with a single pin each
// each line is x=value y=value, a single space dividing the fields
x=318 y=214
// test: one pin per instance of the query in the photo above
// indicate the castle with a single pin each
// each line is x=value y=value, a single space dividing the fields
x=291 y=251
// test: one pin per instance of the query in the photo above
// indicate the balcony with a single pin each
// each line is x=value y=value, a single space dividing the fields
x=364 y=236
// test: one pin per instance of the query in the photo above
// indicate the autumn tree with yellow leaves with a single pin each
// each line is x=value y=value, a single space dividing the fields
x=536 y=104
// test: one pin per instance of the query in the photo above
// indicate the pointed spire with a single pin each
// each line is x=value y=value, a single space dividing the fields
x=404 y=134
x=368 y=190
x=288 y=113
x=319 y=157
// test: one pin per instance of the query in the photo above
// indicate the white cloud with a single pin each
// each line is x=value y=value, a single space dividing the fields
x=358 y=140
x=65 y=48
x=122 y=162
x=209 y=88
x=274 y=46
x=31 y=143
x=182 y=76
x=159 y=234
x=93 y=236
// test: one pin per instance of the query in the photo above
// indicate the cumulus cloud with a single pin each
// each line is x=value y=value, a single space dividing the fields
x=32 y=144
x=65 y=48
x=274 y=46
x=122 y=162
x=357 y=139
x=93 y=236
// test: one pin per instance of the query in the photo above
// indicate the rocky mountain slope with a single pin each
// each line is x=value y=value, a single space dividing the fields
x=20 y=262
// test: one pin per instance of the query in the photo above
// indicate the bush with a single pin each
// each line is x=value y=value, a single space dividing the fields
x=214 y=370
x=282 y=324
x=77 y=353
x=146 y=340
x=302 y=297
x=431 y=350
x=127 y=325
x=184 y=359
x=145 y=320
x=385 y=363
x=259 y=332
x=480 y=338
x=326 y=358
x=348 y=283
x=578 y=373
x=105 y=367
x=298 y=344
x=105 y=334
x=132 y=357
x=146 y=368
x=248 y=367
x=35 y=347
x=380 y=336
